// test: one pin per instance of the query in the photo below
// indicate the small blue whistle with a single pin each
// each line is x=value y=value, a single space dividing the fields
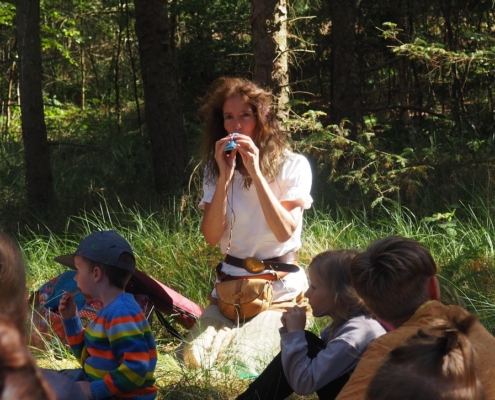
x=231 y=145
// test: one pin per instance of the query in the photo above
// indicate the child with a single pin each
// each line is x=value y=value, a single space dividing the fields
x=306 y=362
x=431 y=367
x=396 y=278
x=116 y=350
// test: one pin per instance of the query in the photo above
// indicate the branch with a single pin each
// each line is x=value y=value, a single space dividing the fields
x=405 y=108
x=85 y=146
x=380 y=66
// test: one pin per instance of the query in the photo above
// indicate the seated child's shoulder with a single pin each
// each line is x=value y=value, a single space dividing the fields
x=361 y=329
x=364 y=322
x=125 y=304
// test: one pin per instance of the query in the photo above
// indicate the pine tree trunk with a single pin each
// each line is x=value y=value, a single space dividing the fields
x=162 y=105
x=346 y=94
x=269 y=37
x=39 y=180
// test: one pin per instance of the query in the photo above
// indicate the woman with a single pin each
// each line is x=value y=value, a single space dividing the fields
x=307 y=363
x=253 y=203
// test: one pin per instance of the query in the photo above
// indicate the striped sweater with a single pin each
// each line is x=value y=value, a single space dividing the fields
x=117 y=351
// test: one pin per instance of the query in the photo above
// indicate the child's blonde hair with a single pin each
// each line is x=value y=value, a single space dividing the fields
x=431 y=367
x=332 y=267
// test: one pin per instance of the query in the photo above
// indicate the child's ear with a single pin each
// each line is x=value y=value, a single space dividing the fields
x=434 y=288
x=97 y=273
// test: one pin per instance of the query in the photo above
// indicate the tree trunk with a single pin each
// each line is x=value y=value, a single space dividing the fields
x=456 y=97
x=269 y=37
x=133 y=67
x=162 y=106
x=39 y=179
x=346 y=93
x=10 y=102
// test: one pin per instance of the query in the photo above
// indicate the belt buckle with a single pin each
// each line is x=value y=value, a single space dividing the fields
x=253 y=265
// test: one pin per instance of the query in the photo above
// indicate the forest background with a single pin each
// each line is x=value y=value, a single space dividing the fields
x=391 y=101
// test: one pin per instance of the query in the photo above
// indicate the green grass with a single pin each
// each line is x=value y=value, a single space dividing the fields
x=169 y=245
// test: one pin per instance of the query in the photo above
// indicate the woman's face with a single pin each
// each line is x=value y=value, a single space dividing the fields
x=238 y=116
x=319 y=296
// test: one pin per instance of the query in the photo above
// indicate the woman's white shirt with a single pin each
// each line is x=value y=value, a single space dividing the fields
x=251 y=236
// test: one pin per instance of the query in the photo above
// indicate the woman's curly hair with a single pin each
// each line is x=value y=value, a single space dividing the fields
x=268 y=137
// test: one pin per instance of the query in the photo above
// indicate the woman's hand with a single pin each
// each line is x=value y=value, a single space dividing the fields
x=294 y=319
x=213 y=224
x=225 y=161
x=67 y=307
x=249 y=153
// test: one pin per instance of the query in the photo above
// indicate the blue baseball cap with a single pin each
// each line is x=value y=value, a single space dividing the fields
x=103 y=247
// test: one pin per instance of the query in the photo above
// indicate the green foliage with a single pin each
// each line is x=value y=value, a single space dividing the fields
x=7 y=13
x=454 y=69
x=444 y=221
x=379 y=176
x=480 y=58
x=213 y=39
x=471 y=274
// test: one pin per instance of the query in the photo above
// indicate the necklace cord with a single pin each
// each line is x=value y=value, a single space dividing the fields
x=232 y=216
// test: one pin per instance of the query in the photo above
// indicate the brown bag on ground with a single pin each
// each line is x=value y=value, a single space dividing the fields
x=243 y=299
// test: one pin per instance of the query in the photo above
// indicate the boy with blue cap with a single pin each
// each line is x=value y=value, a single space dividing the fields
x=117 y=350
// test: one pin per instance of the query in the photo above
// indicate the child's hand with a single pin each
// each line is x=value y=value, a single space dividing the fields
x=294 y=318
x=282 y=319
x=67 y=306
x=86 y=388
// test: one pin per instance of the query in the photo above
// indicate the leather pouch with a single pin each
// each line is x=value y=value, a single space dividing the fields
x=243 y=299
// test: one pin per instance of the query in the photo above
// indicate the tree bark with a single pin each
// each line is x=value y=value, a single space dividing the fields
x=162 y=105
x=346 y=88
x=39 y=180
x=270 y=51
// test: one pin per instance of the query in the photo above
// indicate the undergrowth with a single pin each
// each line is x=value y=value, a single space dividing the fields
x=169 y=246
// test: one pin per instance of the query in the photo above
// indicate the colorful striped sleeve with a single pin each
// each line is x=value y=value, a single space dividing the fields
x=75 y=337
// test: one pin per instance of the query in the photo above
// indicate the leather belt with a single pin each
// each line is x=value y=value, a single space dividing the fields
x=270 y=276
x=282 y=263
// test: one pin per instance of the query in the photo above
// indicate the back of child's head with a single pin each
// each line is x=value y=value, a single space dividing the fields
x=431 y=367
x=13 y=298
x=20 y=378
x=116 y=276
x=109 y=251
x=392 y=277
x=332 y=267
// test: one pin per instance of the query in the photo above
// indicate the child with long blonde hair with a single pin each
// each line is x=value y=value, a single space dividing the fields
x=323 y=365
